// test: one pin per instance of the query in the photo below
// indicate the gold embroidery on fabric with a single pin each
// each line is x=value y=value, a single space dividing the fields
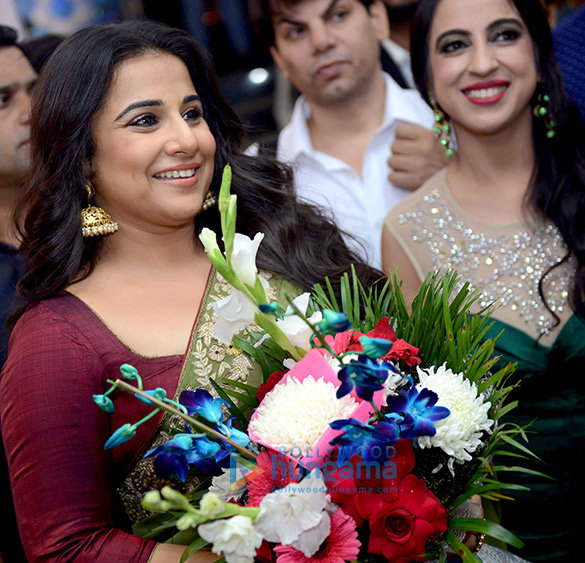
x=206 y=358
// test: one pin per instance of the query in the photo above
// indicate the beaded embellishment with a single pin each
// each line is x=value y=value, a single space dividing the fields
x=506 y=268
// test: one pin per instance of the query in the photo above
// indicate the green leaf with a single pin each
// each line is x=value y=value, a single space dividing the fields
x=192 y=548
x=460 y=548
x=481 y=489
x=234 y=410
x=486 y=527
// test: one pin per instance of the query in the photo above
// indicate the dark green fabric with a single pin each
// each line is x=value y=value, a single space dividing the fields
x=552 y=400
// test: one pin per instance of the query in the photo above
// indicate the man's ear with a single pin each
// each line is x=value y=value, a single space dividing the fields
x=380 y=21
x=278 y=60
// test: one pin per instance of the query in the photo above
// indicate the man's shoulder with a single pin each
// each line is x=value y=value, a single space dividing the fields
x=294 y=137
x=405 y=104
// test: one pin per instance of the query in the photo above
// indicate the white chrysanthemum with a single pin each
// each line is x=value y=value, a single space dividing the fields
x=296 y=414
x=460 y=433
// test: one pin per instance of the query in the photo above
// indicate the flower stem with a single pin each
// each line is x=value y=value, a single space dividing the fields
x=199 y=425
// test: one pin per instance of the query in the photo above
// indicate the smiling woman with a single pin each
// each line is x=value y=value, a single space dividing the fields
x=131 y=116
x=507 y=213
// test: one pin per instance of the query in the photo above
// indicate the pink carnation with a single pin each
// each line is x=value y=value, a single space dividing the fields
x=341 y=545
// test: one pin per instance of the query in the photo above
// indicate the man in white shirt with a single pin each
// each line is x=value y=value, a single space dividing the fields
x=345 y=121
x=400 y=15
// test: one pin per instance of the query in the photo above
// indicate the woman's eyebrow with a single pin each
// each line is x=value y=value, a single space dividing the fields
x=136 y=105
x=451 y=32
x=503 y=21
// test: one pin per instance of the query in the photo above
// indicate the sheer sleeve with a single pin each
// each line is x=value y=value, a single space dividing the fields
x=54 y=436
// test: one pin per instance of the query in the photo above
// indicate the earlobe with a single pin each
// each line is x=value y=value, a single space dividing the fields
x=380 y=21
x=278 y=60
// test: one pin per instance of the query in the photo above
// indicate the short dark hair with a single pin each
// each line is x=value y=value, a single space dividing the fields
x=7 y=36
x=37 y=51
x=261 y=12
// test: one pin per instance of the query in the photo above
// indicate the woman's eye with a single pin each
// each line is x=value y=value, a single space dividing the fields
x=4 y=99
x=507 y=35
x=193 y=114
x=452 y=46
x=144 y=121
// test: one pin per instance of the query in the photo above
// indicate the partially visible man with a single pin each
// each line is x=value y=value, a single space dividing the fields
x=17 y=77
x=396 y=49
x=345 y=121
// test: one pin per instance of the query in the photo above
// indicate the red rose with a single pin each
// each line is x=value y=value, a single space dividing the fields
x=344 y=482
x=402 y=521
x=265 y=388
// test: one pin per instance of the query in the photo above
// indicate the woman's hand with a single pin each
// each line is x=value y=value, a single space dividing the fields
x=474 y=540
x=167 y=553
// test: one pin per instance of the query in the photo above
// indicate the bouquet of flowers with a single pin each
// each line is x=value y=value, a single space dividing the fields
x=374 y=428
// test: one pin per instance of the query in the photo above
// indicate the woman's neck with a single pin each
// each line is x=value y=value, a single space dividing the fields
x=158 y=252
x=491 y=174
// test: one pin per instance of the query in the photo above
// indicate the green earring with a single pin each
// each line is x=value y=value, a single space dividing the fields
x=541 y=111
x=442 y=130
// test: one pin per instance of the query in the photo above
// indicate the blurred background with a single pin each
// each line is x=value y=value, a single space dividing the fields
x=243 y=64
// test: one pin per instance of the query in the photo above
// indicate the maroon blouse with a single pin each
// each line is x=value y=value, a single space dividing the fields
x=63 y=481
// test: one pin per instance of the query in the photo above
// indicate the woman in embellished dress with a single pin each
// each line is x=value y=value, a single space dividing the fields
x=130 y=135
x=507 y=213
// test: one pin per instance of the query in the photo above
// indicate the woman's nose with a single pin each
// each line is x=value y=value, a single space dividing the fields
x=483 y=60
x=182 y=138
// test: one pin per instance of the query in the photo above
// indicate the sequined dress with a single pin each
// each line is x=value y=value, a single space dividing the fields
x=506 y=263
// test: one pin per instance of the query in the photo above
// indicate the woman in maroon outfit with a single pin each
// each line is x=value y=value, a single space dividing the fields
x=129 y=117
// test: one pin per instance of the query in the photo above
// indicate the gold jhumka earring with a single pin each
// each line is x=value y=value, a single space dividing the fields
x=95 y=221
x=209 y=201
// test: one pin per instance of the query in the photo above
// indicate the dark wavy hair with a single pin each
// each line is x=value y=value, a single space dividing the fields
x=299 y=243
x=261 y=12
x=558 y=188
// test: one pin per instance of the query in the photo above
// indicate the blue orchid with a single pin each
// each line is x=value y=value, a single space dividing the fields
x=234 y=434
x=268 y=308
x=416 y=412
x=123 y=434
x=369 y=441
x=158 y=393
x=202 y=403
x=176 y=456
x=364 y=375
x=129 y=372
x=375 y=347
x=333 y=322
x=104 y=403
x=171 y=459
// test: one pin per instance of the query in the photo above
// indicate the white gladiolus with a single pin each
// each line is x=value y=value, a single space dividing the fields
x=296 y=329
x=235 y=312
x=243 y=258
